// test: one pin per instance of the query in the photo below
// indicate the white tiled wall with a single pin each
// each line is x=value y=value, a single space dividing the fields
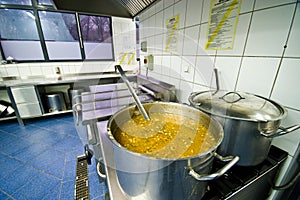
x=124 y=42
x=257 y=75
x=259 y=4
x=293 y=49
x=269 y=30
x=240 y=37
x=193 y=13
x=258 y=63
x=265 y=59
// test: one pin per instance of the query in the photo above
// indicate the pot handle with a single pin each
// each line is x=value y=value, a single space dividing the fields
x=206 y=177
x=99 y=171
x=282 y=131
x=76 y=112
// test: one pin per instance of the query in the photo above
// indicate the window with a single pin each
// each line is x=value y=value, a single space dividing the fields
x=97 y=36
x=52 y=35
x=45 y=2
x=17 y=2
x=61 y=35
x=19 y=33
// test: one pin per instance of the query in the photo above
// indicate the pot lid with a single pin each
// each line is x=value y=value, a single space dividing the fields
x=238 y=105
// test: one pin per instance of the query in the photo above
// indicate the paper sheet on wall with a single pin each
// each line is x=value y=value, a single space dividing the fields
x=222 y=23
x=127 y=58
x=172 y=33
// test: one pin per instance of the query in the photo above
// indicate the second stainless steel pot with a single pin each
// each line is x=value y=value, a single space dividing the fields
x=145 y=177
x=249 y=122
x=55 y=102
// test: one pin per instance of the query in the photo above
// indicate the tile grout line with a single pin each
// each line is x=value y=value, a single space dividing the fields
x=283 y=52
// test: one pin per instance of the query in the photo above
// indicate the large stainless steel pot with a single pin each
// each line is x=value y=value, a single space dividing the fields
x=55 y=102
x=249 y=122
x=160 y=179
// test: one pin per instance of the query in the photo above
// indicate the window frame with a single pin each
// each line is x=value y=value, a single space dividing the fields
x=35 y=7
x=45 y=41
x=24 y=8
x=82 y=41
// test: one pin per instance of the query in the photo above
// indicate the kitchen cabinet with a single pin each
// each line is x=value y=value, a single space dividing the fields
x=28 y=96
x=26 y=101
x=24 y=94
x=50 y=89
x=29 y=100
x=27 y=110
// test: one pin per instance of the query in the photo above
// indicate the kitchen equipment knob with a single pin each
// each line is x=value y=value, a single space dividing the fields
x=88 y=153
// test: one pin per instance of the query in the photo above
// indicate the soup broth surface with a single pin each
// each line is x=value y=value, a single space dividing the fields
x=166 y=135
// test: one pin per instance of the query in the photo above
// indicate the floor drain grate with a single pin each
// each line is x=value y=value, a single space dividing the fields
x=82 y=179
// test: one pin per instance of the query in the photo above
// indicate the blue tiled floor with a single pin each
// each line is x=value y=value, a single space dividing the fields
x=38 y=160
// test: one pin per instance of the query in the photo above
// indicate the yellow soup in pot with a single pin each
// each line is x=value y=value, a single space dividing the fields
x=166 y=135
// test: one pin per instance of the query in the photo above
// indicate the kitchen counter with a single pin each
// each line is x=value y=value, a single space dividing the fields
x=34 y=89
x=58 y=79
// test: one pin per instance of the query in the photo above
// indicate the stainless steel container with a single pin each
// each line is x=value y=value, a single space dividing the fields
x=55 y=102
x=249 y=122
x=74 y=95
x=160 y=178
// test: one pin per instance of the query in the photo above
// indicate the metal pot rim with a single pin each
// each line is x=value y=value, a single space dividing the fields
x=209 y=152
x=217 y=106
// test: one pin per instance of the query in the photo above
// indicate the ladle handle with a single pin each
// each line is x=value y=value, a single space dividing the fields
x=217 y=79
x=136 y=98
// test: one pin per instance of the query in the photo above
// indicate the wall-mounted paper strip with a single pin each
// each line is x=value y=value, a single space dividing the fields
x=127 y=58
x=222 y=24
x=172 y=33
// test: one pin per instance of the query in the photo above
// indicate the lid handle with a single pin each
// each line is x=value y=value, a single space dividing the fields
x=231 y=100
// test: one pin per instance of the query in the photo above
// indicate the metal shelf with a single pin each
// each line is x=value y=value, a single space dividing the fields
x=8 y=118
x=57 y=113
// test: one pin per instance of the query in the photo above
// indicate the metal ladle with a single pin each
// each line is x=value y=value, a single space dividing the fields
x=136 y=99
